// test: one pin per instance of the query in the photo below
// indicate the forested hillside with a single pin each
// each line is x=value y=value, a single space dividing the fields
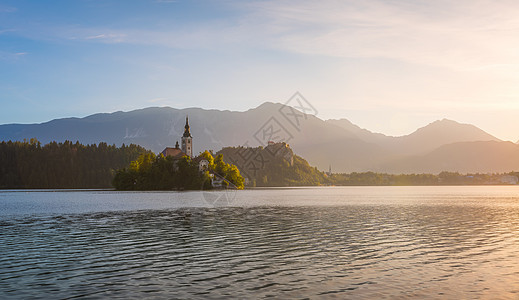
x=28 y=164
x=274 y=165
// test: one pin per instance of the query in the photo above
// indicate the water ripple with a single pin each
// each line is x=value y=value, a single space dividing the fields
x=412 y=251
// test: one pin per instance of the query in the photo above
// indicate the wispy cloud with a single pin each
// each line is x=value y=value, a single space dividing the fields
x=11 y=56
x=7 y=9
x=108 y=37
x=2 y=31
x=460 y=34
x=210 y=37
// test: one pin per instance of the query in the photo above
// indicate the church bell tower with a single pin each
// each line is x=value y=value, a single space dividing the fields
x=187 y=140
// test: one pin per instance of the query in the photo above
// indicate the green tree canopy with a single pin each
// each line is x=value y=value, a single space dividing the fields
x=29 y=164
x=150 y=172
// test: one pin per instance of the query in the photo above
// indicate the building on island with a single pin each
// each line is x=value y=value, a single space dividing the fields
x=203 y=164
x=187 y=145
x=186 y=149
x=176 y=153
x=187 y=140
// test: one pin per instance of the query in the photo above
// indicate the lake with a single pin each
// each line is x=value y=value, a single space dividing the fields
x=323 y=242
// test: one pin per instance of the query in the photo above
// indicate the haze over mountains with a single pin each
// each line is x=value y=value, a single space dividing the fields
x=440 y=146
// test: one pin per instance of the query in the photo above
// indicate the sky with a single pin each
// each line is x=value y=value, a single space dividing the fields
x=387 y=66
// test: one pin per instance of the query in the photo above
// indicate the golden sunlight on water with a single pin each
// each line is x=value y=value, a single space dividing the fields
x=465 y=246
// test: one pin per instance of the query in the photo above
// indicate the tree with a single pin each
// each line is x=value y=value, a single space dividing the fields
x=165 y=173
x=28 y=164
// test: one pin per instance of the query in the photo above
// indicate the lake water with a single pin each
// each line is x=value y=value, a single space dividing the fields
x=334 y=242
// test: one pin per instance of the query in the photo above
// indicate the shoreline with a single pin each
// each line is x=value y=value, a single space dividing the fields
x=49 y=190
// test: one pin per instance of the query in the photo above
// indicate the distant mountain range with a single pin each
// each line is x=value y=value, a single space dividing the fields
x=440 y=146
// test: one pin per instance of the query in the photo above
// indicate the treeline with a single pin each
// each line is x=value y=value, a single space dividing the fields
x=444 y=178
x=30 y=165
x=150 y=172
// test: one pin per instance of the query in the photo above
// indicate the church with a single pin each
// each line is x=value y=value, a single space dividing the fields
x=187 y=145
x=186 y=149
x=217 y=180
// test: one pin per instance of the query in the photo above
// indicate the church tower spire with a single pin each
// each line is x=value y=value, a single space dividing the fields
x=187 y=140
x=187 y=133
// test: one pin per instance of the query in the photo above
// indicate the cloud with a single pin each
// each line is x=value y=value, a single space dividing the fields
x=6 y=30
x=210 y=37
x=7 y=9
x=108 y=37
x=459 y=35
x=10 y=56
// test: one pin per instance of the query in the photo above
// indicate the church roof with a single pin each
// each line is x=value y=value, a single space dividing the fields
x=174 y=152
x=187 y=133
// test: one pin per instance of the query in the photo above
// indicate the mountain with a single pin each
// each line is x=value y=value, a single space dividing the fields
x=337 y=143
x=437 y=134
x=361 y=133
x=424 y=139
x=153 y=128
x=464 y=157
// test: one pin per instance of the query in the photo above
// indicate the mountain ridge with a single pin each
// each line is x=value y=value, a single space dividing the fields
x=339 y=143
x=463 y=157
x=423 y=139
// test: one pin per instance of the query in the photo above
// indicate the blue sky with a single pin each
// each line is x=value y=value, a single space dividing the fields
x=388 y=66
